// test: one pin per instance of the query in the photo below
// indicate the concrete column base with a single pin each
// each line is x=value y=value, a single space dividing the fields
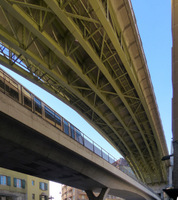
x=101 y=196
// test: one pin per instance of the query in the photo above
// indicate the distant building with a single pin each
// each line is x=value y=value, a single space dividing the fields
x=70 y=193
x=111 y=197
x=18 y=186
x=121 y=162
x=123 y=165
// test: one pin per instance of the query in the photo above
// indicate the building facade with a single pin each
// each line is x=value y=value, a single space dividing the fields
x=70 y=193
x=18 y=186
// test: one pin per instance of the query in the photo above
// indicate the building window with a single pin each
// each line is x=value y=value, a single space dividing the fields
x=5 y=180
x=19 y=183
x=33 y=196
x=33 y=182
x=43 y=186
x=43 y=197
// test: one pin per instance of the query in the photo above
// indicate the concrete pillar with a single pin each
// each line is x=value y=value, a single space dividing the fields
x=175 y=168
x=101 y=196
x=175 y=90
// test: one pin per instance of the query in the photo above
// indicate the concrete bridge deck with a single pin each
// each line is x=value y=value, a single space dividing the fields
x=30 y=144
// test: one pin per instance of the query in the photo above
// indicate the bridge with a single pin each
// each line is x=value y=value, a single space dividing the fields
x=36 y=140
x=88 y=53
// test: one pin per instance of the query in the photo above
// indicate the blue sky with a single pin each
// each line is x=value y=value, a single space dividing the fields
x=154 y=23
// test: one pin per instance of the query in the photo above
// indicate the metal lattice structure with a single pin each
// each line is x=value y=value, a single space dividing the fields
x=88 y=54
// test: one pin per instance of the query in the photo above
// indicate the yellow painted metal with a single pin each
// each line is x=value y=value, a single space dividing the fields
x=78 y=52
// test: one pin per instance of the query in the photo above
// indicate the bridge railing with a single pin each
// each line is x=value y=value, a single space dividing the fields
x=20 y=94
x=23 y=96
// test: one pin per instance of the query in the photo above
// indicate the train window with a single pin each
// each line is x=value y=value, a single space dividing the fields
x=38 y=106
x=1 y=75
x=11 y=88
x=2 y=85
x=27 y=99
x=79 y=137
x=26 y=92
x=66 y=127
x=72 y=131
x=58 y=121
x=49 y=115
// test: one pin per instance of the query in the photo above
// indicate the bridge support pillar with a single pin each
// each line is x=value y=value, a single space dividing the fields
x=101 y=196
x=175 y=174
x=173 y=192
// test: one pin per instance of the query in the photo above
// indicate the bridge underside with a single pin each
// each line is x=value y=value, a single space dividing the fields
x=33 y=157
x=85 y=53
x=49 y=153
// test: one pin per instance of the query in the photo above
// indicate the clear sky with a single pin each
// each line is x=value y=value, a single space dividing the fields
x=154 y=23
